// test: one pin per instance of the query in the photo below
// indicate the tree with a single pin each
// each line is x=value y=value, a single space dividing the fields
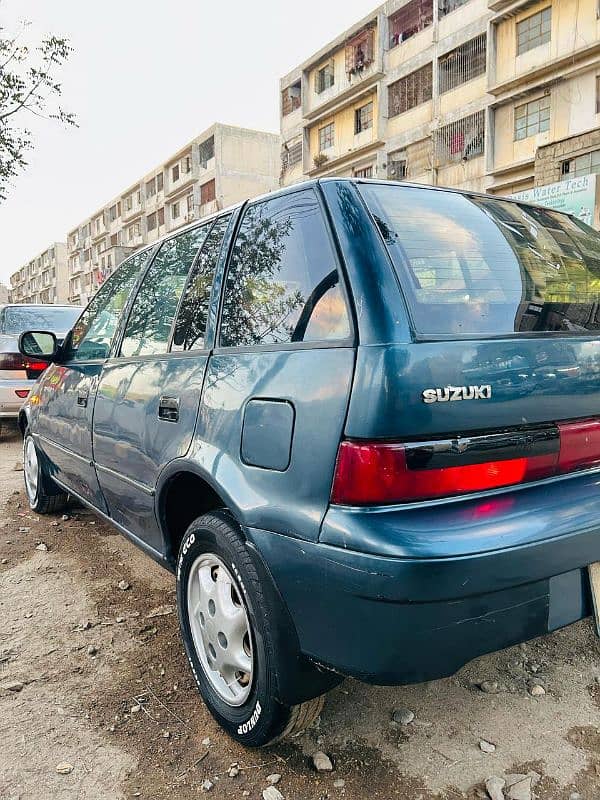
x=28 y=88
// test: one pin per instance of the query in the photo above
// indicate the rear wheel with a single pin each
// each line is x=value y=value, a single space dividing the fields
x=44 y=496
x=226 y=619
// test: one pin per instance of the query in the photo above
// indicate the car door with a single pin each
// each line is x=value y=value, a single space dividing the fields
x=148 y=394
x=277 y=385
x=63 y=405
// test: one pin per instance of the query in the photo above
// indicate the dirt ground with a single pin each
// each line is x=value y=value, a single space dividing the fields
x=107 y=691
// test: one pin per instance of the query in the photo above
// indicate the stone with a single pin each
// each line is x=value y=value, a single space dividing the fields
x=23 y=529
x=18 y=467
x=233 y=771
x=271 y=793
x=322 y=762
x=206 y=785
x=339 y=783
x=124 y=585
x=274 y=778
x=65 y=517
x=161 y=611
x=520 y=790
x=537 y=690
x=64 y=768
x=487 y=747
x=403 y=716
x=92 y=650
x=206 y=741
x=489 y=687
x=575 y=796
x=4 y=561
x=12 y=686
x=41 y=546
x=494 y=787
x=135 y=709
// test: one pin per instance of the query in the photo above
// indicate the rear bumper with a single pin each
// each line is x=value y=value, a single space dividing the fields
x=391 y=620
x=10 y=402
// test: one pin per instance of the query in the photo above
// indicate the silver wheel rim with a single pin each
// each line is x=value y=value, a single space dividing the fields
x=220 y=629
x=30 y=469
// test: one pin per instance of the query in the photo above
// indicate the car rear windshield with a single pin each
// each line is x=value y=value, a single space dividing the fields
x=471 y=265
x=57 y=319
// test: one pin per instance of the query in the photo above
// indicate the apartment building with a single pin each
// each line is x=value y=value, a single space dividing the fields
x=489 y=95
x=223 y=165
x=400 y=95
x=43 y=279
x=3 y=293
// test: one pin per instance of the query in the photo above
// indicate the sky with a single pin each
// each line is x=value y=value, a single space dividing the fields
x=145 y=77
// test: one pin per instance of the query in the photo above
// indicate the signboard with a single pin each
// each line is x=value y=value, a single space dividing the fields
x=576 y=196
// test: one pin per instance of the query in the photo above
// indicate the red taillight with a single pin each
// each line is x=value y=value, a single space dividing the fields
x=579 y=445
x=22 y=393
x=374 y=473
x=17 y=362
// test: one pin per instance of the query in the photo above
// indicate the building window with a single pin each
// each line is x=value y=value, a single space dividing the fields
x=326 y=136
x=151 y=187
x=187 y=164
x=151 y=221
x=161 y=216
x=324 y=78
x=206 y=151
x=532 y=118
x=207 y=192
x=290 y=99
x=175 y=173
x=129 y=203
x=462 y=64
x=159 y=182
x=363 y=118
x=291 y=155
x=189 y=203
x=359 y=52
x=365 y=172
x=587 y=164
x=534 y=30
x=410 y=91
x=447 y=6
x=410 y=19
x=397 y=165
x=461 y=140
x=175 y=210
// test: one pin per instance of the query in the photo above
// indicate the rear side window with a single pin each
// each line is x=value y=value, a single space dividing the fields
x=94 y=331
x=190 y=327
x=282 y=284
x=474 y=265
x=149 y=324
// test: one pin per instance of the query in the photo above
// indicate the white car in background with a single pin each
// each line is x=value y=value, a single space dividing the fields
x=19 y=373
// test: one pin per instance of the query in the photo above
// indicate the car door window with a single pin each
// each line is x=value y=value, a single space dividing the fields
x=282 y=283
x=94 y=331
x=149 y=324
x=190 y=326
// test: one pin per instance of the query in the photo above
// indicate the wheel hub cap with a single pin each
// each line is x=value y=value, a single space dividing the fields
x=30 y=468
x=220 y=629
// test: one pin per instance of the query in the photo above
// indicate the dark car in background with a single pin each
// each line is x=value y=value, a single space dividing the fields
x=17 y=372
x=356 y=419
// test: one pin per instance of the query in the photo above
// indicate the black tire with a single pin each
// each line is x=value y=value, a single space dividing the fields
x=46 y=497
x=262 y=719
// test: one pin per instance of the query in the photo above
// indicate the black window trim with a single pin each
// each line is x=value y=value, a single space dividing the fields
x=316 y=344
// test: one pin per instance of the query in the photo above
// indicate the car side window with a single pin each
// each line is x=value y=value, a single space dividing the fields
x=149 y=325
x=190 y=327
x=282 y=284
x=93 y=333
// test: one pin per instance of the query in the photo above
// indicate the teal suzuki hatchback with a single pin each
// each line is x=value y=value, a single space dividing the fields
x=359 y=420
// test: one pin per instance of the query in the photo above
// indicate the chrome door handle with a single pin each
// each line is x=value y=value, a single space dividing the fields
x=168 y=409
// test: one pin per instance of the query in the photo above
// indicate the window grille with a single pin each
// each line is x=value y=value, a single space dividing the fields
x=291 y=155
x=447 y=6
x=410 y=91
x=586 y=164
x=206 y=150
x=532 y=118
x=397 y=165
x=410 y=19
x=462 y=64
x=534 y=30
x=290 y=99
x=365 y=172
x=324 y=78
x=460 y=140
x=326 y=136
x=360 y=51
x=363 y=118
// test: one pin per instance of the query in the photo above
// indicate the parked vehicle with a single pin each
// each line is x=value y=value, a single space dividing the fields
x=293 y=405
x=18 y=373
